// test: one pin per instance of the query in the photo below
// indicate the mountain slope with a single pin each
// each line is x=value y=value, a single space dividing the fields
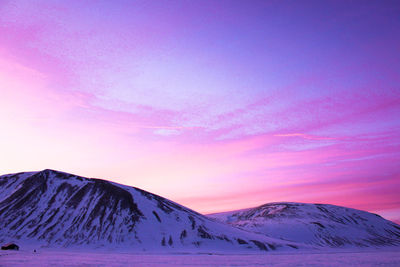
x=58 y=209
x=315 y=224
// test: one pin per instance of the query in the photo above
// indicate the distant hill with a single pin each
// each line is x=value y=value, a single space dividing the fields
x=318 y=225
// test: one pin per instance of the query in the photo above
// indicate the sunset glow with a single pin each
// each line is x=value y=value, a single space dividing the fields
x=217 y=105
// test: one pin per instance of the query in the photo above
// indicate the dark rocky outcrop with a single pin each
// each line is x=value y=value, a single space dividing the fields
x=10 y=246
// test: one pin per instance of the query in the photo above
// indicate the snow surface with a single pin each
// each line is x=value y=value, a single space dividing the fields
x=324 y=258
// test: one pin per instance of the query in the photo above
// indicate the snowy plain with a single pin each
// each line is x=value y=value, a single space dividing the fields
x=305 y=258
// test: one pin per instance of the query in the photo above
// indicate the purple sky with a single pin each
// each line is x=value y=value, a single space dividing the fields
x=217 y=105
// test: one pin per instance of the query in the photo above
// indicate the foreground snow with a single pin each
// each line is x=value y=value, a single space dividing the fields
x=64 y=258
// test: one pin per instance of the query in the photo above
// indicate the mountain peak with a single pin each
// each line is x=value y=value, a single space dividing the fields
x=58 y=174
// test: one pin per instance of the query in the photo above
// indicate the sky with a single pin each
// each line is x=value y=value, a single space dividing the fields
x=217 y=105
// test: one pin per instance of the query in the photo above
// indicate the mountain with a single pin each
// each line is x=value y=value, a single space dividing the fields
x=318 y=225
x=56 y=209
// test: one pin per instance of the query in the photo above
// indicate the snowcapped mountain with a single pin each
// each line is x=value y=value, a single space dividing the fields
x=55 y=209
x=316 y=224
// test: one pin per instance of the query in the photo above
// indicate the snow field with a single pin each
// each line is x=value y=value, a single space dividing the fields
x=69 y=258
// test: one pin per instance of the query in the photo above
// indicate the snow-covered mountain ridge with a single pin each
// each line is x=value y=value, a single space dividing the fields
x=320 y=225
x=57 y=209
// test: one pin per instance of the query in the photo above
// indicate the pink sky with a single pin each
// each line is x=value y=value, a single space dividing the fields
x=215 y=105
